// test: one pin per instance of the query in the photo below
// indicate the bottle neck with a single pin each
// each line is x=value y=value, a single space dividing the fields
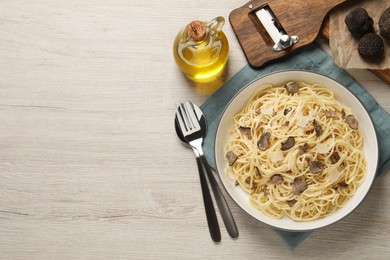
x=187 y=41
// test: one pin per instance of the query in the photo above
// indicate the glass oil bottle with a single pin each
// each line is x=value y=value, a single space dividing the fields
x=201 y=50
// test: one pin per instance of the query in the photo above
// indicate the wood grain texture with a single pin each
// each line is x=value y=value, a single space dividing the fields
x=298 y=17
x=90 y=165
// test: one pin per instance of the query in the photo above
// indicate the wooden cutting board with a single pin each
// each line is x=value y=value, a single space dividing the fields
x=304 y=18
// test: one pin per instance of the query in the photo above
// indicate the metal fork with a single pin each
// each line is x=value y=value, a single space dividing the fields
x=194 y=134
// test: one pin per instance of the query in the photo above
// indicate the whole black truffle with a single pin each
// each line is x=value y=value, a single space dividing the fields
x=359 y=22
x=385 y=16
x=384 y=30
x=371 y=47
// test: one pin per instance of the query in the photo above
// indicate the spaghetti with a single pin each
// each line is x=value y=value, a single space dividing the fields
x=296 y=151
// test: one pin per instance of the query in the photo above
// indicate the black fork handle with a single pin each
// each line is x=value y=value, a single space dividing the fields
x=211 y=216
x=224 y=209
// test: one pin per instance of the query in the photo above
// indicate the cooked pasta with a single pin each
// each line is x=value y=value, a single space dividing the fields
x=296 y=151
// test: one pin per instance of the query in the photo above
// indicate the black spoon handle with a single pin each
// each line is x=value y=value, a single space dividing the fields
x=226 y=214
x=212 y=220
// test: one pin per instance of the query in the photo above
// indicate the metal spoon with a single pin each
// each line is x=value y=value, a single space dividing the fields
x=211 y=216
x=224 y=209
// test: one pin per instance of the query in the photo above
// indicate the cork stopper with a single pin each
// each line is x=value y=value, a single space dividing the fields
x=196 y=30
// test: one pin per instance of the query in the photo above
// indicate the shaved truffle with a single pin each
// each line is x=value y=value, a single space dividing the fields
x=298 y=186
x=334 y=157
x=286 y=110
x=343 y=114
x=290 y=142
x=316 y=167
x=277 y=179
x=231 y=158
x=343 y=185
x=317 y=128
x=359 y=22
x=264 y=141
x=371 y=47
x=303 y=148
x=352 y=122
x=292 y=202
x=292 y=87
x=330 y=113
x=265 y=191
x=245 y=130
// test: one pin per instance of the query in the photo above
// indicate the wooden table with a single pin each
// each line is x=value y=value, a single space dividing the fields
x=90 y=164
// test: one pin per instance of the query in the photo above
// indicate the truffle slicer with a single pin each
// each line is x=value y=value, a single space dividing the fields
x=270 y=30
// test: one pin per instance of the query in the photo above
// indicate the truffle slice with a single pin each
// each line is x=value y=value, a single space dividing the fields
x=292 y=202
x=330 y=113
x=359 y=22
x=371 y=47
x=317 y=128
x=287 y=144
x=292 y=87
x=343 y=185
x=334 y=157
x=245 y=130
x=231 y=158
x=316 y=167
x=264 y=141
x=298 y=186
x=303 y=148
x=286 y=110
x=277 y=179
x=352 y=122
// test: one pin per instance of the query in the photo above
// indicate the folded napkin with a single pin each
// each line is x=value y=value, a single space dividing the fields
x=314 y=59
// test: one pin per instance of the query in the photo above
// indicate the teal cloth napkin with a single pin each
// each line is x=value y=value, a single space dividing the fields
x=314 y=59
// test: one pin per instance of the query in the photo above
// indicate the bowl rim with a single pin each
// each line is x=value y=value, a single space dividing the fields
x=371 y=122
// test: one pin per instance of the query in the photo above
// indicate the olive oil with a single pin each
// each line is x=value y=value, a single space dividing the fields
x=201 y=50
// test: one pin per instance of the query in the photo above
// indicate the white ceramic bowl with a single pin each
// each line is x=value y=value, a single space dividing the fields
x=345 y=97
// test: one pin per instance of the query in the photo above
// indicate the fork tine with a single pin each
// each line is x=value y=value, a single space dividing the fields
x=179 y=117
x=186 y=116
x=191 y=114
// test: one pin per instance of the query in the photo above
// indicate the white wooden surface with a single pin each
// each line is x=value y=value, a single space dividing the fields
x=90 y=165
